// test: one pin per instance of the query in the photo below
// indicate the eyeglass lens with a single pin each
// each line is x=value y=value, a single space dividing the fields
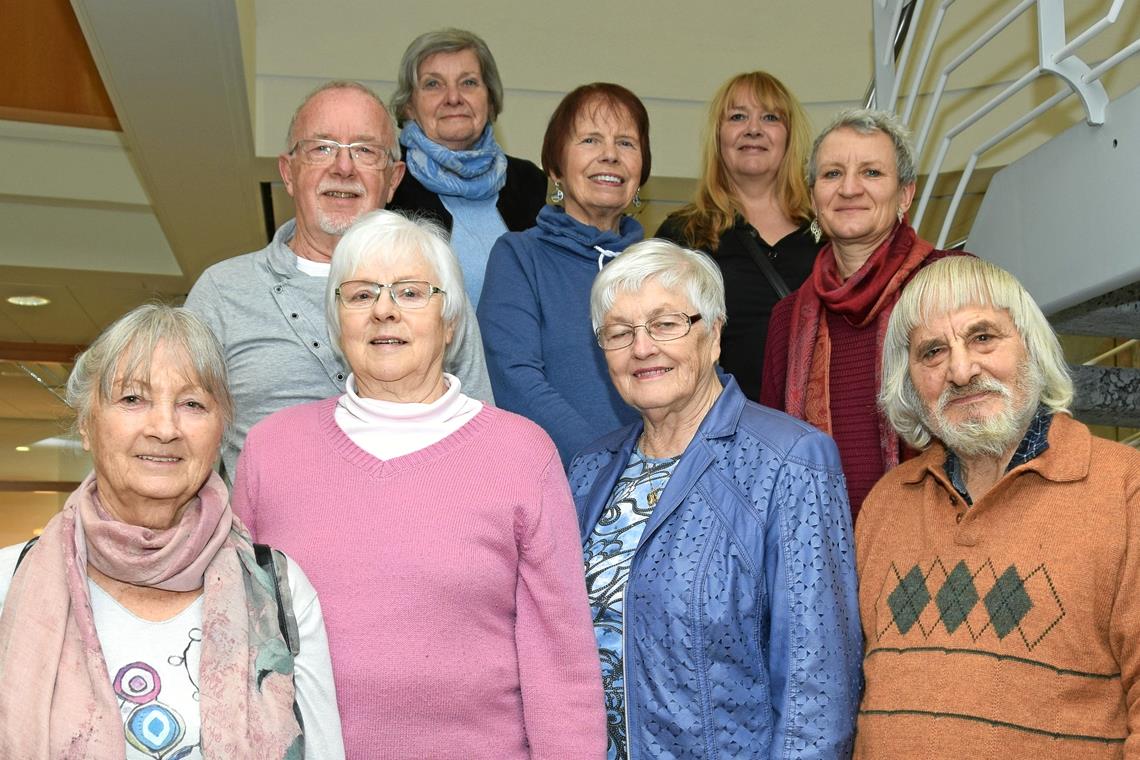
x=663 y=328
x=407 y=294
x=319 y=152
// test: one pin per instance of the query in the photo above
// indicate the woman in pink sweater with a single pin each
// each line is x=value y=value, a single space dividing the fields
x=439 y=532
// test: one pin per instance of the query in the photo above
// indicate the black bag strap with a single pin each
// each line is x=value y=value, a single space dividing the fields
x=265 y=560
x=762 y=261
x=24 y=552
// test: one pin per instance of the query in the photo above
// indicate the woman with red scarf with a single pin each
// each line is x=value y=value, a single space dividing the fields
x=823 y=355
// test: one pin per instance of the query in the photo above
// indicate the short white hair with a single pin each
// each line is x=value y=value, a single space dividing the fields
x=946 y=286
x=383 y=236
x=674 y=267
x=867 y=121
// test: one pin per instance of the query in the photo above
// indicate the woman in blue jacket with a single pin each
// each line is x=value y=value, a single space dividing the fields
x=717 y=537
x=541 y=357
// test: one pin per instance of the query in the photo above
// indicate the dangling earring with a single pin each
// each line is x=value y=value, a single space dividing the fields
x=816 y=232
x=901 y=214
x=557 y=195
x=637 y=198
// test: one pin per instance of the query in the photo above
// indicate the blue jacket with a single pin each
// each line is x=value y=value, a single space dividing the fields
x=535 y=316
x=742 y=635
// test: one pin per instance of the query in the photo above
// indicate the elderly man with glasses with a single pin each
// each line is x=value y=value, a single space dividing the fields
x=267 y=307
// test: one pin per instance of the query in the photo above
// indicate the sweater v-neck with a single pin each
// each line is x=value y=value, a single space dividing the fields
x=384 y=468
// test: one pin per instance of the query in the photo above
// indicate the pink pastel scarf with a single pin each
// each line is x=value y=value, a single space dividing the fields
x=56 y=699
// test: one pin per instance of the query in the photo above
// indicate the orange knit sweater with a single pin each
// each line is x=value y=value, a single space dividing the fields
x=1011 y=628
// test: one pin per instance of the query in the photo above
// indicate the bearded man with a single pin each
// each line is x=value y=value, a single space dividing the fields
x=999 y=571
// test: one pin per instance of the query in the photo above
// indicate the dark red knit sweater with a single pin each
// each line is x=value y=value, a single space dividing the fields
x=854 y=420
x=854 y=416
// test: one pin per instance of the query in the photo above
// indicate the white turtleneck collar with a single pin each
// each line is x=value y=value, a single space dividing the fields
x=389 y=429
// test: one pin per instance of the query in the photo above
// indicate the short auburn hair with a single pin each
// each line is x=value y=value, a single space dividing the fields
x=598 y=96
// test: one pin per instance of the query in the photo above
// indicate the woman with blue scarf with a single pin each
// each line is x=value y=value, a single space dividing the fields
x=447 y=97
x=534 y=313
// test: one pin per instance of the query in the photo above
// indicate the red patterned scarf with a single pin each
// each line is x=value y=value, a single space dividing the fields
x=866 y=297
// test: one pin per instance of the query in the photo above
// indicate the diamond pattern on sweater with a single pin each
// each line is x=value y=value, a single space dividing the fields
x=957 y=597
x=908 y=599
x=1029 y=604
x=1007 y=602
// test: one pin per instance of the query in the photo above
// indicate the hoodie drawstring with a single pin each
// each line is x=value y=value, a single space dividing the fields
x=602 y=254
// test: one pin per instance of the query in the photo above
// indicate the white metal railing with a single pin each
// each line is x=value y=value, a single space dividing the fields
x=1125 y=346
x=1056 y=57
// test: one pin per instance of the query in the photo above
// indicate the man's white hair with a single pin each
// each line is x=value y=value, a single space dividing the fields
x=944 y=287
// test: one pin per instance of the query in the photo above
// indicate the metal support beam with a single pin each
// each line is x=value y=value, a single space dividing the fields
x=49 y=353
x=1070 y=68
x=1107 y=396
x=1114 y=315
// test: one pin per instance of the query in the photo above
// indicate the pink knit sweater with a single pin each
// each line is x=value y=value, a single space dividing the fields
x=451 y=581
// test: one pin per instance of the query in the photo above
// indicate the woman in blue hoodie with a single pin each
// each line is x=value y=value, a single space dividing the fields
x=535 y=308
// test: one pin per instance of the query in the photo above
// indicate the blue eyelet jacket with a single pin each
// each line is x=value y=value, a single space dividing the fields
x=742 y=635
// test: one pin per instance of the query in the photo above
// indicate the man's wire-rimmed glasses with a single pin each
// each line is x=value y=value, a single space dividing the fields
x=321 y=152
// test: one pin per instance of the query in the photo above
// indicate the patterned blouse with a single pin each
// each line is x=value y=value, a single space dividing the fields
x=609 y=552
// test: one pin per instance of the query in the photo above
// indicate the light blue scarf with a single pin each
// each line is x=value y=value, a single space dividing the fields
x=476 y=174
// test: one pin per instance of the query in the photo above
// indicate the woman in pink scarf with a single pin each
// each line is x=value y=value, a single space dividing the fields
x=140 y=625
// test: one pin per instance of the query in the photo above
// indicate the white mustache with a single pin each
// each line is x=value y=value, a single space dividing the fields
x=977 y=385
x=357 y=187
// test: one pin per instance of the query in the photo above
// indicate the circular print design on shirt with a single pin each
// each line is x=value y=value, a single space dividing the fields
x=137 y=682
x=154 y=728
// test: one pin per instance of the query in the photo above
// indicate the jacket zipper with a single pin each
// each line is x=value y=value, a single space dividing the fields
x=625 y=664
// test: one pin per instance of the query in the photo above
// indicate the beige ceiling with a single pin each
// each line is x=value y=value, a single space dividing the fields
x=99 y=221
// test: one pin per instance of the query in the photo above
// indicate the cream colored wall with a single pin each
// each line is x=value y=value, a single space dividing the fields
x=25 y=514
x=672 y=54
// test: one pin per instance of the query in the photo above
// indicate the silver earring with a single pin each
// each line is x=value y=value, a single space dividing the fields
x=901 y=214
x=557 y=195
x=816 y=232
x=637 y=198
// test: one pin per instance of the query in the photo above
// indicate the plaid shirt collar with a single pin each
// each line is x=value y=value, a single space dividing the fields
x=1033 y=445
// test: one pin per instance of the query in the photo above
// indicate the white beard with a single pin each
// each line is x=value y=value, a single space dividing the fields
x=333 y=226
x=994 y=435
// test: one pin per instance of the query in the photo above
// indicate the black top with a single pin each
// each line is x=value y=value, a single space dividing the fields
x=520 y=200
x=749 y=297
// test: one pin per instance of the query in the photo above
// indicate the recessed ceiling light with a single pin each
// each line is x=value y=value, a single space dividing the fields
x=28 y=301
x=23 y=448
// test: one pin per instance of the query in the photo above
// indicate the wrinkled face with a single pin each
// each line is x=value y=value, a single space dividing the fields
x=396 y=354
x=154 y=442
x=330 y=198
x=451 y=102
x=857 y=195
x=972 y=374
x=668 y=376
x=602 y=165
x=753 y=139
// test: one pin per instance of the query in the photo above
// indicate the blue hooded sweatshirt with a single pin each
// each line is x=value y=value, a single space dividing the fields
x=535 y=317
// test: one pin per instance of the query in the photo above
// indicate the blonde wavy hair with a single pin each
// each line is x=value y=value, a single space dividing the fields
x=714 y=208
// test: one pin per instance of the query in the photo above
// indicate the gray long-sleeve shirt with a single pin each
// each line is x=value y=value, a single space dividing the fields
x=270 y=319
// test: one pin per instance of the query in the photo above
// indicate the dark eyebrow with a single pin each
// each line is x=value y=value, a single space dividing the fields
x=360 y=138
x=984 y=325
